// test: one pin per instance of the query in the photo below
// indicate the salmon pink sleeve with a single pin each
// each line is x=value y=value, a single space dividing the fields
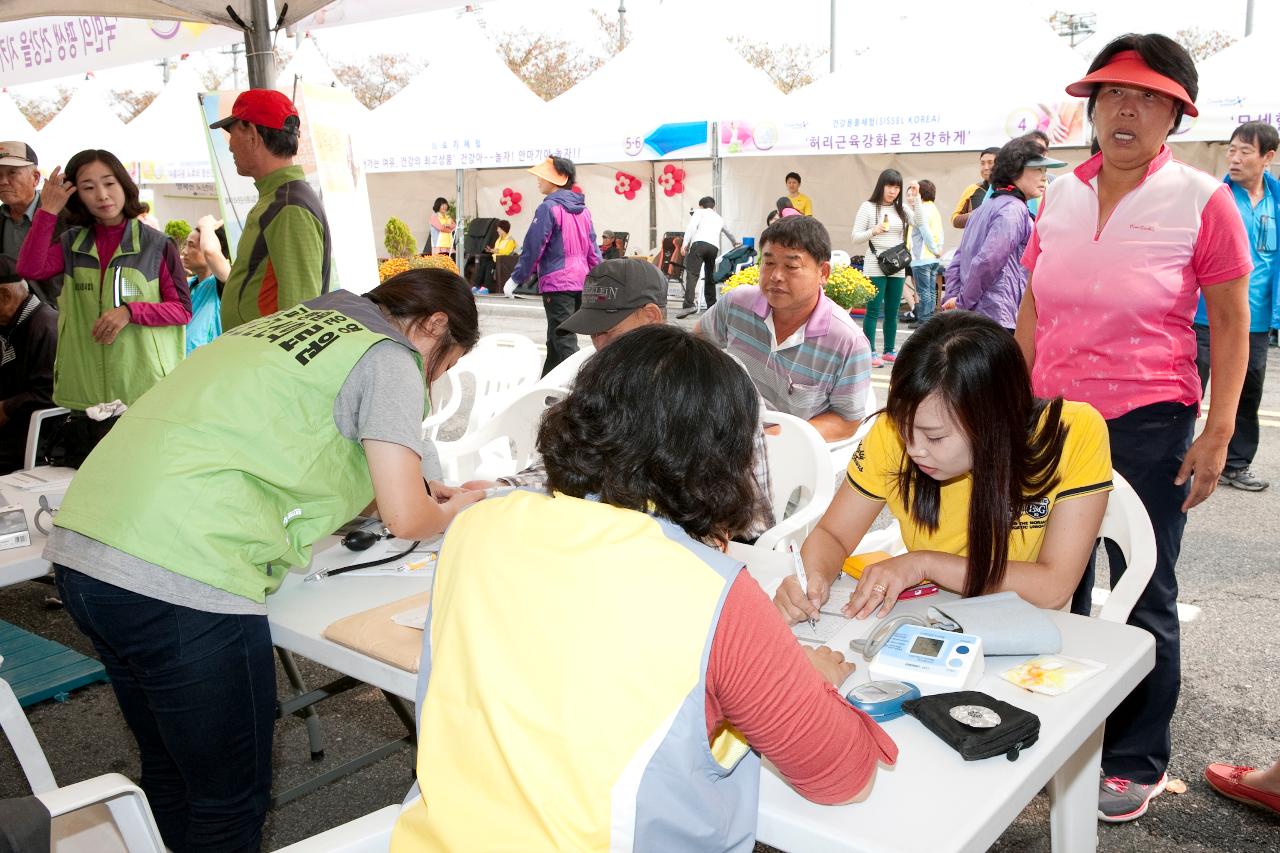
x=761 y=682
x=1222 y=246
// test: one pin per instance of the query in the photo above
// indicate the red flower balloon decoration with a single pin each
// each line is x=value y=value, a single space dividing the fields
x=510 y=201
x=626 y=186
x=672 y=180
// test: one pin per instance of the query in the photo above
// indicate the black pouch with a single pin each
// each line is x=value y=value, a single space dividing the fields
x=1016 y=730
x=72 y=438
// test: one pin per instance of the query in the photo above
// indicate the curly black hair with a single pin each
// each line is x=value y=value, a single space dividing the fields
x=659 y=421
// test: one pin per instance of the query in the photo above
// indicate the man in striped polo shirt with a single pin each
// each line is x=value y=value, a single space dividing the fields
x=804 y=353
x=284 y=255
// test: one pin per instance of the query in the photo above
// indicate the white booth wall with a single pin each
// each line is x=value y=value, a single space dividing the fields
x=408 y=196
x=751 y=185
x=839 y=183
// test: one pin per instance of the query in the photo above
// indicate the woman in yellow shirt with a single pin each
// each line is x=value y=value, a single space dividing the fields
x=442 y=225
x=993 y=488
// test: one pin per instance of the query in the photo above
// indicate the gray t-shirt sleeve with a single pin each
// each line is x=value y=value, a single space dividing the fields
x=383 y=398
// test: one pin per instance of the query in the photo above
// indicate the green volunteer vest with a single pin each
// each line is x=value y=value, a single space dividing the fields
x=86 y=372
x=231 y=469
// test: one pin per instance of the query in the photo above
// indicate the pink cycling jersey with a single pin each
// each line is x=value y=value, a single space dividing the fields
x=1114 y=305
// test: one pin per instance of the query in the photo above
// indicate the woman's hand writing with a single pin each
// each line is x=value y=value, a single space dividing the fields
x=794 y=605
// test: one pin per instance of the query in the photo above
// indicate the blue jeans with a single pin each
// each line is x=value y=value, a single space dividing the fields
x=1148 y=445
x=925 y=276
x=198 y=691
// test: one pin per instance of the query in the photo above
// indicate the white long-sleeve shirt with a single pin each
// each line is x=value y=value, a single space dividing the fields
x=705 y=226
x=869 y=216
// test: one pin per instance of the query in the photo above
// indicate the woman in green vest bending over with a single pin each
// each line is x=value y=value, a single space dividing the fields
x=125 y=300
x=215 y=484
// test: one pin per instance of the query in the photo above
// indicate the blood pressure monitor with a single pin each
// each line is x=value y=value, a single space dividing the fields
x=934 y=660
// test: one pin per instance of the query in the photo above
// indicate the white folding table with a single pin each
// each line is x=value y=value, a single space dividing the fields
x=931 y=800
x=25 y=563
x=935 y=800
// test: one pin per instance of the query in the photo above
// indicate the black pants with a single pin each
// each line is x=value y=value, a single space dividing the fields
x=700 y=255
x=483 y=271
x=561 y=344
x=198 y=692
x=1244 y=441
x=1148 y=445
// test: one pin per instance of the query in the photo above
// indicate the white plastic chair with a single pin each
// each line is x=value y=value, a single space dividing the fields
x=446 y=399
x=842 y=450
x=130 y=824
x=33 y=434
x=1127 y=524
x=487 y=453
x=563 y=374
x=498 y=364
x=798 y=461
x=368 y=834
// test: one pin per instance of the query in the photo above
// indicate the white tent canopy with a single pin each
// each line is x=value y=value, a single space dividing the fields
x=672 y=73
x=887 y=99
x=85 y=122
x=168 y=137
x=13 y=124
x=309 y=65
x=427 y=126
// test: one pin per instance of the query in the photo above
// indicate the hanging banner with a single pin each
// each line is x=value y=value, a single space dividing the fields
x=890 y=131
x=38 y=49
x=1221 y=115
x=405 y=148
x=327 y=115
x=329 y=165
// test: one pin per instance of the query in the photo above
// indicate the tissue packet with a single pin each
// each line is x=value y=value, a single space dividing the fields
x=1052 y=674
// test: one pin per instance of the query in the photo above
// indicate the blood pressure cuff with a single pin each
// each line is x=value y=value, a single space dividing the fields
x=1007 y=624
x=1013 y=731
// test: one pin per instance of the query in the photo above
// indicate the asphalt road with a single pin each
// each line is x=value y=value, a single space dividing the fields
x=1228 y=711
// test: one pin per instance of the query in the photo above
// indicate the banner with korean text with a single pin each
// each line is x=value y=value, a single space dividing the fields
x=44 y=48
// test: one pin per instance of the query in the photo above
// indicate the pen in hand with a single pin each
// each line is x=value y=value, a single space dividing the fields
x=798 y=564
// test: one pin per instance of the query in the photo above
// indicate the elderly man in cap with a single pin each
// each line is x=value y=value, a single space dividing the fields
x=561 y=246
x=619 y=295
x=610 y=245
x=19 y=177
x=285 y=253
x=28 y=340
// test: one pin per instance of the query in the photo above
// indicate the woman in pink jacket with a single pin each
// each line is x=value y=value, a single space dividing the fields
x=561 y=247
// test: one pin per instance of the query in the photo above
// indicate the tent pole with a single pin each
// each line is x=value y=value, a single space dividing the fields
x=257 y=48
x=460 y=227
x=717 y=167
x=653 y=204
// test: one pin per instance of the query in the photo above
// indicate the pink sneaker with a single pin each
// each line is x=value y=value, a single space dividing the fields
x=890 y=357
x=876 y=360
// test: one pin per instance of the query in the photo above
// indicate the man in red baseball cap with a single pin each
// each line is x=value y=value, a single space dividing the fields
x=285 y=252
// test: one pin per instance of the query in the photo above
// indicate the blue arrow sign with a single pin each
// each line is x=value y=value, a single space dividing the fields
x=672 y=137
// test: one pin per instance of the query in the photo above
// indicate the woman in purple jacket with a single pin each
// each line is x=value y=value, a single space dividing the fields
x=561 y=245
x=986 y=275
